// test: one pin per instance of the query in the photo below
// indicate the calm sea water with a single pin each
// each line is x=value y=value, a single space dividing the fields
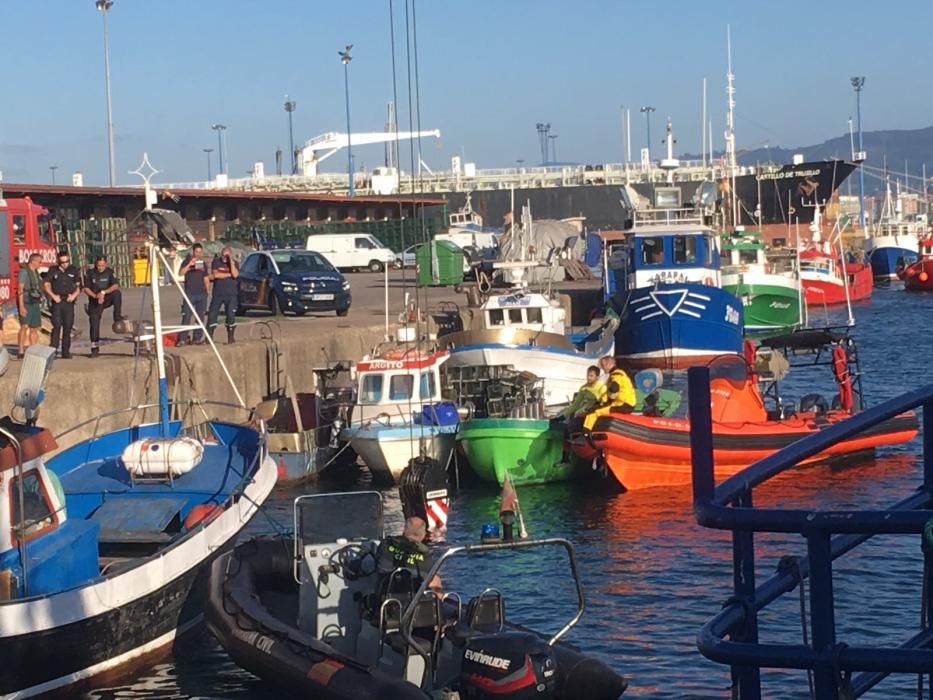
x=652 y=576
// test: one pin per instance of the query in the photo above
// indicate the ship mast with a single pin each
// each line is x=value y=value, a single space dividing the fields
x=730 y=128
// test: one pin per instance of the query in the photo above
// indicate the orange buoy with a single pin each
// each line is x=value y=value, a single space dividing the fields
x=923 y=276
x=204 y=512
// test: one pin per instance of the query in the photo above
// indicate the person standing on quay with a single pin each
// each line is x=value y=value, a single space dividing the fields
x=197 y=286
x=63 y=285
x=29 y=299
x=100 y=284
x=224 y=271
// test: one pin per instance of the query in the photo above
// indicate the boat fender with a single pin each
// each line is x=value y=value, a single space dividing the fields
x=843 y=378
x=202 y=513
x=923 y=276
x=162 y=457
x=708 y=281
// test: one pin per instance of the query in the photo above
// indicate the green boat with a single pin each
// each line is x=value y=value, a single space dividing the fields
x=771 y=298
x=529 y=450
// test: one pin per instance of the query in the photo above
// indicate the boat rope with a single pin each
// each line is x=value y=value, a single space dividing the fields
x=790 y=565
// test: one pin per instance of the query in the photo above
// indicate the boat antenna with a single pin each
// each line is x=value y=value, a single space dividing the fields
x=730 y=127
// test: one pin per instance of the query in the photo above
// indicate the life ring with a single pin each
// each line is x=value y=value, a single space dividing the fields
x=843 y=378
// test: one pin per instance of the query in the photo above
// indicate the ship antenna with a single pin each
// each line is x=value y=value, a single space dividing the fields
x=730 y=125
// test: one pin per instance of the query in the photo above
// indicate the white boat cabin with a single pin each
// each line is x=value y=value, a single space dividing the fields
x=396 y=383
x=743 y=252
x=524 y=310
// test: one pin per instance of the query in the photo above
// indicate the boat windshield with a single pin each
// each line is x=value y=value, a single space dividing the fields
x=301 y=261
x=748 y=256
x=371 y=388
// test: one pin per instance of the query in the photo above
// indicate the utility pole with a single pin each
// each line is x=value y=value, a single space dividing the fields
x=53 y=168
x=858 y=82
x=103 y=6
x=647 y=110
x=345 y=58
x=208 y=151
x=290 y=108
x=221 y=156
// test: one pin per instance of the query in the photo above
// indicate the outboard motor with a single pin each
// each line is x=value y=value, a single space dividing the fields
x=508 y=665
x=422 y=488
x=813 y=402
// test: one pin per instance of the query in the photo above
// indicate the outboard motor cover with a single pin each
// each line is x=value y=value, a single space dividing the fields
x=512 y=665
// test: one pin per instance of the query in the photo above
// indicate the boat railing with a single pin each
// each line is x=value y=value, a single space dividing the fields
x=829 y=534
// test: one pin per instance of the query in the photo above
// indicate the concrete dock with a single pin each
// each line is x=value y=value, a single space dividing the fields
x=84 y=388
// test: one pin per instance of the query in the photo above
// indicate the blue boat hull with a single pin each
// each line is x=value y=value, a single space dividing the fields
x=886 y=261
x=677 y=325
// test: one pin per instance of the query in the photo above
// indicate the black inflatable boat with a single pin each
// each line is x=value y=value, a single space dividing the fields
x=313 y=617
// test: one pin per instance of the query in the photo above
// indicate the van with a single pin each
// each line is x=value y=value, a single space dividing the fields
x=352 y=251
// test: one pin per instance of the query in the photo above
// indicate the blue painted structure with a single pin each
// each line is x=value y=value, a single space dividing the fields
x=828 y=534
x=887 y=261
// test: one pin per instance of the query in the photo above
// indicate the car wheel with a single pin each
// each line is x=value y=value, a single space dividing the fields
x=300 y=312
x=375 y=266
x=343 y=312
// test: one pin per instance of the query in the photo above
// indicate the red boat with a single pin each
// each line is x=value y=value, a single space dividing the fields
x=643 y=451
x=825 y=277
x=918 y=277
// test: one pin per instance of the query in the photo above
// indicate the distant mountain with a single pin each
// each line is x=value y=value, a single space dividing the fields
x=913 y=145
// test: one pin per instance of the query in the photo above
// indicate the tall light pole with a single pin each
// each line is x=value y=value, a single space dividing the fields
x=290 y=107
x=553 y=139
x=208 y=151
x=858 y=83
x=221 y=156
x=103 y=6
x=646 y=110
x=53 y=168
x=345 y=58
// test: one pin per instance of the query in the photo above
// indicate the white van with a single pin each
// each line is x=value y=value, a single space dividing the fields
x=352 y=251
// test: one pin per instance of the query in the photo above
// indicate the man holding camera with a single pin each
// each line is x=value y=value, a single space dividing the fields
x=224 y=272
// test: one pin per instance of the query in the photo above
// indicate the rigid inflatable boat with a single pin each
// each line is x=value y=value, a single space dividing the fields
x=316 y=617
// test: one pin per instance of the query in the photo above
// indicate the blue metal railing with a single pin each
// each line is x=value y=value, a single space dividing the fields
x=829 y=535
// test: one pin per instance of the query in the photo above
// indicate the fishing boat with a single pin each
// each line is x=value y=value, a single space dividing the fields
x=318 y=615
x=749 y=422
x=918 y=276
x=528 y=331
x=664 y=282
x=893 y=244
x=399 y=412
x=105 y=544
x=506 y=432
x=771 y=300
x=829 y=279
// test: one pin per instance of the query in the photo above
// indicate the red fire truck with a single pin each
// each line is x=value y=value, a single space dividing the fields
x=25 y=228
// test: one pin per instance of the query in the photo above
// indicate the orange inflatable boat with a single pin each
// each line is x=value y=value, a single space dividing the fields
x=643 y=451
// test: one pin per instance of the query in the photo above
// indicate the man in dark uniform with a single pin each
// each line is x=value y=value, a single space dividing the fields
x=63 y=285
x=224 y=272
x=197 y=285
x=100 y=285
x=409 y=552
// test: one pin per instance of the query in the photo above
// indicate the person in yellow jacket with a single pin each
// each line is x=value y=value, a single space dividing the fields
x=619 y=396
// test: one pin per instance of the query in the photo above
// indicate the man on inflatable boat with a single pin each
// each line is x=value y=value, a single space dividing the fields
x=620 y=392
x=589 y=396
x=408 y=551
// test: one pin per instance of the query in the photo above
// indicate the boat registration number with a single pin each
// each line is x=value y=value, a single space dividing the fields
x=322 y=297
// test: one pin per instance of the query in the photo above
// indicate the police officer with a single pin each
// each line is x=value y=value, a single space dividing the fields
x=408 y=552
x=63 y=285
x=224 y=272
x=103 y=291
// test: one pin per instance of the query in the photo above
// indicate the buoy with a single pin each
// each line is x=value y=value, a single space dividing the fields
x=923 y=276
x=202 y=513
x=708 y=281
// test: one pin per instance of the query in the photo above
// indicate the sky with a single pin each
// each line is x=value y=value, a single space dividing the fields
x=488 y=72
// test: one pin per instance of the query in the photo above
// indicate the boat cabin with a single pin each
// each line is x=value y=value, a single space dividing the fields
x=523 y=310
x=466 y=218
x=926 y=249
x=743 y=251
x=397 y=382
x=662 y=254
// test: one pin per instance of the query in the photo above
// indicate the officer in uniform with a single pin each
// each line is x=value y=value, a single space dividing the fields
x=103 y=291
x=224 y=272
x=408 y=552
x=63 y=285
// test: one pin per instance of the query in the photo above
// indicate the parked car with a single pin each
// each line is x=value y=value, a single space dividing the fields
x=352 y=251
x=406 y=258
x=291 y=281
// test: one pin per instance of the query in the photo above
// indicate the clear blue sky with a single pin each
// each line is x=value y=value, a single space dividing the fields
x=489 y=72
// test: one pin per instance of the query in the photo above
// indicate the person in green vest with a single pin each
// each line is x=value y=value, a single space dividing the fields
x=587 y=398
x=29 y=299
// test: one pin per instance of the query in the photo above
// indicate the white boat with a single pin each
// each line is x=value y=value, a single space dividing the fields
x=894 y=243
x=399 y=413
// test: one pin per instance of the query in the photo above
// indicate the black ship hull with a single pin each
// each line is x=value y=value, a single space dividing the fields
x=782 y=195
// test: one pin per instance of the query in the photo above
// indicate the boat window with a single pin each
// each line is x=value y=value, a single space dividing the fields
x=685 y=250
x=496 y=317
x=652 y=251
x=19 y=229
x=534 y=315
x=709 y=245
x=515 y=315
x=748 y=257
x=400 y=387
x=371 y=388
x=428 y=385
x=36 y=506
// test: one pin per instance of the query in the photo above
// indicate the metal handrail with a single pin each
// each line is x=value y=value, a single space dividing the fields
x=730 y=506
x=18 y=448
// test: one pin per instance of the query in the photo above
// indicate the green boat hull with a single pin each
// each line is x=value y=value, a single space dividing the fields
x=767 y=307
x=530 y=451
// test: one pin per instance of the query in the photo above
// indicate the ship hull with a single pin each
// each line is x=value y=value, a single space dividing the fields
x=828 y=290
x=771 y=303
x=888 y=261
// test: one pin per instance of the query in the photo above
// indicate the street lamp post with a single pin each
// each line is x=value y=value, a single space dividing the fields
x=858 y=83
x=53 y=168
x=290 y=107
x=553 y=139
x=103 y=7
x=646 y=110
x=221 y=156
x=345 y=58
x=208 y=151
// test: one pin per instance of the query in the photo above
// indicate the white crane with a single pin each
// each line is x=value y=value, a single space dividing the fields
x=324 y=146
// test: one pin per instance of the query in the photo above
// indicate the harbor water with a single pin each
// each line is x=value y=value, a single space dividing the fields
x=651 y=574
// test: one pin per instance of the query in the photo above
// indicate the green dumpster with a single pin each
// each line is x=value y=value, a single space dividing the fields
x=440 y=263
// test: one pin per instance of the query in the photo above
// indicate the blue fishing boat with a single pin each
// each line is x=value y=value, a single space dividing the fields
x=893 y=245
x=104 y=546
x=664 y=282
